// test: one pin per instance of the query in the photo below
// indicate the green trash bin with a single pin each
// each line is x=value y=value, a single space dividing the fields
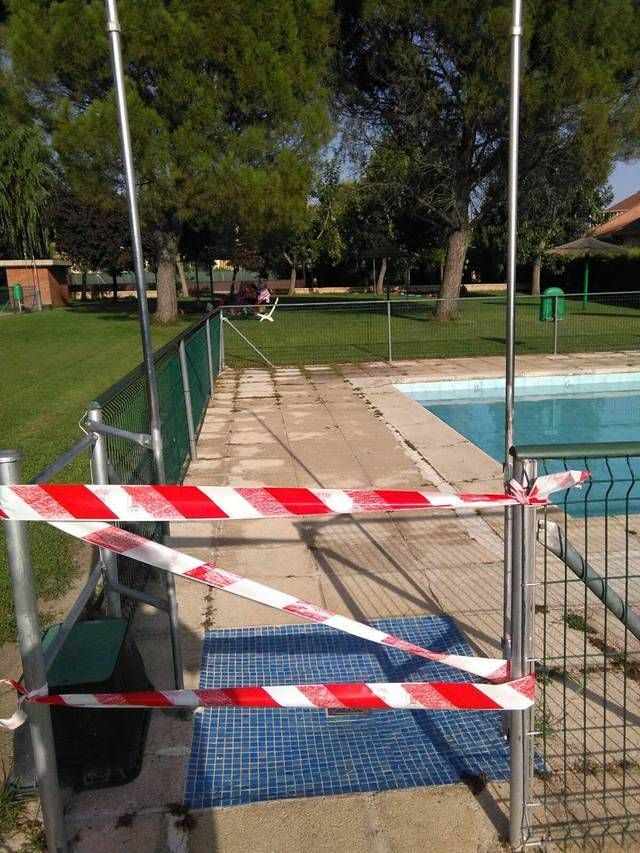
x=552 y=300
x=18 y=292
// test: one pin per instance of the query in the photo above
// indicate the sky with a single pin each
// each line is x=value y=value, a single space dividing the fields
x=625 y=179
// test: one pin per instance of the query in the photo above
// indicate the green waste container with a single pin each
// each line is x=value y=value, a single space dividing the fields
x=18 y=292
x=553 y=300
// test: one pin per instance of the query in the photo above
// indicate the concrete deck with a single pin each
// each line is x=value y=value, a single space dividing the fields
x=326 y=426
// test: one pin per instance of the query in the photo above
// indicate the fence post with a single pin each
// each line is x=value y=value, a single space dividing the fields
x=31 y=654
x=221 y=355
x=100 y=476
x=523 y=538
x=555 y=325
x=389 y=349
x=209 y=356
x=184 y=369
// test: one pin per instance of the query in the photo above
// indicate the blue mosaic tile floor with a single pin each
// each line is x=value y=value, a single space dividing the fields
x=245 y=755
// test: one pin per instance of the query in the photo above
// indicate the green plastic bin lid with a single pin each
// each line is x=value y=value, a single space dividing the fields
x=553 y=291
x=89 y=653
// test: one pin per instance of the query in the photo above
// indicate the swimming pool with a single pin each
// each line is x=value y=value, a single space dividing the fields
x=548 y=410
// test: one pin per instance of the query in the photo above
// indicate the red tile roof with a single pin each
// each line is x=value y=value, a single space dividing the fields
x=625 y=213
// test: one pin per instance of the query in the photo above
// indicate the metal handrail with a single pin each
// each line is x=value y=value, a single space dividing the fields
x=595 y=450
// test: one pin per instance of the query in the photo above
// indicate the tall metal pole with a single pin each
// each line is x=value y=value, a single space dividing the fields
x=33 y=665
x=113 y=28
x=512 y=216
x=512 y=205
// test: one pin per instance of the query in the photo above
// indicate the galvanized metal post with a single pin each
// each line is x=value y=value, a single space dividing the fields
x=31 y=654
x=113 y=28
x=555 y=325
x=512 y=215
x=209 y=357
x=184 y=370
x=389 y=349
x=522 y=647
x=100 y=476
x=221 y=355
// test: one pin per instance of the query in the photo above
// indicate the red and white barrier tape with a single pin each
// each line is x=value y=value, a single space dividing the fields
x=154 y=554
x=93 y=504
x=203 y=503
x=407 y=696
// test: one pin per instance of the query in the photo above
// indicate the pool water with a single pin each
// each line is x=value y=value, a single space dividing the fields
x=552 y=410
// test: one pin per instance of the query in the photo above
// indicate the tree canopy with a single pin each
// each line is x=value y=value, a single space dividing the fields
x=430 y=79
x=225 y=101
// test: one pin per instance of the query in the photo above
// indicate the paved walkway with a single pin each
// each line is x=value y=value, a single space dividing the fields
x=325 y=426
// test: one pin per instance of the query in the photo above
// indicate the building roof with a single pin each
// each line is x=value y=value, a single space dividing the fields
x=22 y=263
x=626 y=217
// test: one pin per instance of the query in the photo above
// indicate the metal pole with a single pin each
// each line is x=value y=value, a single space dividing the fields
x=100 y=476
x=522 y=616
x=184 y=369
x=389 y=350
x=585 y=285
x=221 y=353
x=209 y=357
x=514 y=106
x=516 y=33
x=555 y=325
x=113 y=29
x=35 y=674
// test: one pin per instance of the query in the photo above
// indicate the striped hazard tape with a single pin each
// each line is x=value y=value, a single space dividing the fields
x=406 y=696
x=92 y=506
x=153 y=553
x=203 y=503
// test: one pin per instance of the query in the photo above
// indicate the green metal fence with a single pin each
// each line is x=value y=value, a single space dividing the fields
x=586 y=786
x=125 y=406
x=360 y=330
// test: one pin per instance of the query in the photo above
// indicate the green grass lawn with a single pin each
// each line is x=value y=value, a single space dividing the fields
x=56 y=362
x=53 y=364
x=352 y=332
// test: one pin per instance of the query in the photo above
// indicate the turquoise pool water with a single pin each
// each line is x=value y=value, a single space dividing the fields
x=550 y=410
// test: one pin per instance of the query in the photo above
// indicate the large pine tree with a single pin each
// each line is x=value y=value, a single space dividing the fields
x=221 y=97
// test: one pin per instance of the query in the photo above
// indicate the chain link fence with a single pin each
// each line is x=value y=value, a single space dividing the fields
x=361 y=330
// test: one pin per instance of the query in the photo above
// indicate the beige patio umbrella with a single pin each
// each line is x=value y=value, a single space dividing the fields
x=587 y=247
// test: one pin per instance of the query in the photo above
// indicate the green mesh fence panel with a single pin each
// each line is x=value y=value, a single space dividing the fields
x=587 y=714
x=175 y=438
x=198 y=369
x=214 y=330
x=125 y=406
x=358 y=330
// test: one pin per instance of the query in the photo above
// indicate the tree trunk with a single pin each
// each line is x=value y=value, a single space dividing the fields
x=83 y=293
x=380 y=279
x=452 y=278
x=184 y=289
x=167 y=305
x=292 y=281
x=114 y=279
x=535 y=276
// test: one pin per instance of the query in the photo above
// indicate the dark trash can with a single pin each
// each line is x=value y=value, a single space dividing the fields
x=100 y=748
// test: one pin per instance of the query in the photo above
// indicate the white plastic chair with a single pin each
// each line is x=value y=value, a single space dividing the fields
x=269 y=315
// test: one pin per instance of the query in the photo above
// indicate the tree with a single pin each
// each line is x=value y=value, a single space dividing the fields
x=221 y=97
x=94 y=237
x=431 y=77
x=26 y=174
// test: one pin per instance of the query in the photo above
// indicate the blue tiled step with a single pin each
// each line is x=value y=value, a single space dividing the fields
x=245 y=756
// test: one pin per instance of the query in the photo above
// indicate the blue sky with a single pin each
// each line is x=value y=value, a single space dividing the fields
x=625 y=179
